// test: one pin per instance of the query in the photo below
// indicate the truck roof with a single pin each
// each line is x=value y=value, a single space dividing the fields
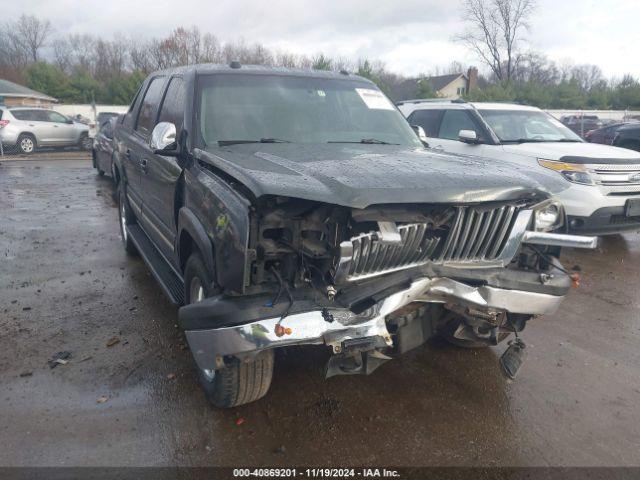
x=234 y=67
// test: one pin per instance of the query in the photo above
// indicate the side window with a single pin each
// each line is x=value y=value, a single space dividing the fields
x=56 y=117
x=39 y=115
x=172 y=109
x=148 y=108
x=455 y=120
x=429 y=120
x=21 y=114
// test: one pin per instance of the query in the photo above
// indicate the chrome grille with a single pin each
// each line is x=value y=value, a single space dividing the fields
x=617 y=179
x=478 y=234
x=364 y=256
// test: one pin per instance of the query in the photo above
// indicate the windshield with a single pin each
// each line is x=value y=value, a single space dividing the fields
x=272 y=108
x=527 y=126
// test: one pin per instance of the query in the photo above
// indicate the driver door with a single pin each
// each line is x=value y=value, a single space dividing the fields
x=64 y=133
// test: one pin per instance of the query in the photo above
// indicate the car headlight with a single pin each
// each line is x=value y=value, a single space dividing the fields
x=573 y=172
x=548 y=216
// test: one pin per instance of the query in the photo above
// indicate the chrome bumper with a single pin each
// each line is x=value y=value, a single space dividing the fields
x=211 y=345
x=560 y=240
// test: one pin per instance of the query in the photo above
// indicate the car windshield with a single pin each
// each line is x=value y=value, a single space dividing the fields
x=527 y=126
x=237 y=108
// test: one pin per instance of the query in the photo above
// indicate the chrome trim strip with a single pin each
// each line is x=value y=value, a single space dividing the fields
x=310 y=328
x=560 y=240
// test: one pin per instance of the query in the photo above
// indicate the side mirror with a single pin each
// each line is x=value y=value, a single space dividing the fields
x=69 y=121
x=163 y=139
x=420 y=133
x=468 y=136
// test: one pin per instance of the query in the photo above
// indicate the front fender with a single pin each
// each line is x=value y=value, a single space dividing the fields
x=187 y=221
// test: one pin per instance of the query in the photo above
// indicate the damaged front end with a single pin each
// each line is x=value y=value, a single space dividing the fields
x=371 y=282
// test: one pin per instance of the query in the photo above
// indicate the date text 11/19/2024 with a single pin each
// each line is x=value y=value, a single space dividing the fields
x=316 y=472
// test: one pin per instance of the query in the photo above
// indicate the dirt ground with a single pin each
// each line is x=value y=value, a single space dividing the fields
x=66 y=284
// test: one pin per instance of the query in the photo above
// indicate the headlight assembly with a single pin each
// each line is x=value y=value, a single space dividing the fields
x=548 y=216
x=573 y=172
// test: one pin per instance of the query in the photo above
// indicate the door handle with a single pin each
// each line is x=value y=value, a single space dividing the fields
x=55 y=126
x=439 y=148
x=143 y=164
x=127 y=154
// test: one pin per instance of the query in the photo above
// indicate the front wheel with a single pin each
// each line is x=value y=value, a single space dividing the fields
x=239 y=382
x=126 y=217
x=26 y=143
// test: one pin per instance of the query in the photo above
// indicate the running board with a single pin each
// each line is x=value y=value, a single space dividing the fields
x=172 y=285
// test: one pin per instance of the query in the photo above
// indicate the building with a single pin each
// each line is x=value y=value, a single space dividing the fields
x=14 y=95
x=450 y=86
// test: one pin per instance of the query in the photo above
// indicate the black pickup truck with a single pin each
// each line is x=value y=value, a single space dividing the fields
x=285 y=207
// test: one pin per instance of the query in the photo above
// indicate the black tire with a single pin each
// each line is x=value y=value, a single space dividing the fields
x=239 y=382
x=26 y=143
x=125 y=217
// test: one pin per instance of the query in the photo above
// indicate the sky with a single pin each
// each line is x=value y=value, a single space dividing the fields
x=409 y=36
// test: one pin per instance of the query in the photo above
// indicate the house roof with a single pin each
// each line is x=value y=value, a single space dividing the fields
x=409 y=88
x=10 y=89
x=441 y=81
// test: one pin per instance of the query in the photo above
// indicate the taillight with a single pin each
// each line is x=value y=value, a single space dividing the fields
x=4 y=123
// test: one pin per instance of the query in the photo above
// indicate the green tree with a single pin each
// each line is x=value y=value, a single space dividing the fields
x=627 y=93
x=568 y=94
x=84 y=88
x=49 y=79
x=492 y=93
x=425 y=89
x=120 y=89
x=320 y=62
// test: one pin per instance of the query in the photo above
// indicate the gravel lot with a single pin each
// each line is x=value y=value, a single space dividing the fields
x=67 y=285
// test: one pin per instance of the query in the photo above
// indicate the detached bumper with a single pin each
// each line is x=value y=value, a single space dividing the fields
x=333 y=326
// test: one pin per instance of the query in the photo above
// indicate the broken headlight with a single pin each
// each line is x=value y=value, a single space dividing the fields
x=548 y=216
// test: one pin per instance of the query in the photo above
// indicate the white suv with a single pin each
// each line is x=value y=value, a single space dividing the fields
x=604 y=193
x=26 y=129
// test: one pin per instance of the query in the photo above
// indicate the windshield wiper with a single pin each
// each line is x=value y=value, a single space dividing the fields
x=370 y=141
x=224 y=143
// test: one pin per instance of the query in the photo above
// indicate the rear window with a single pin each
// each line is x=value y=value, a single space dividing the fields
x=22 y=114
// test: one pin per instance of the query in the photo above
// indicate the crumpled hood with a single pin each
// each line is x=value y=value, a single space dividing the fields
x=361 y=175
x=558 y=150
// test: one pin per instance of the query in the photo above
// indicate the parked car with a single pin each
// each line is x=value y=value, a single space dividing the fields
x=603 y=135
x=604 y=181
x=581 y=124
x=628 y=136
x=103 y=146
x=287 y=207
x=27 y=129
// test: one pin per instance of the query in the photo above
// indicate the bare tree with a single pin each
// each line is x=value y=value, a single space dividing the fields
x=32 y=33
x=495 y=29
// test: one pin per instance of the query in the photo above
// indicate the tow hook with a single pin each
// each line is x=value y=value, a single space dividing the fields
x=513 y=358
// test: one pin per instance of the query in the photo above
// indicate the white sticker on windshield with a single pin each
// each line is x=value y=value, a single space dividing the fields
x=374 y=99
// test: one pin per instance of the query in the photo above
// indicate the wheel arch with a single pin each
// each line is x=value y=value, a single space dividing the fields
x=191 y=236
